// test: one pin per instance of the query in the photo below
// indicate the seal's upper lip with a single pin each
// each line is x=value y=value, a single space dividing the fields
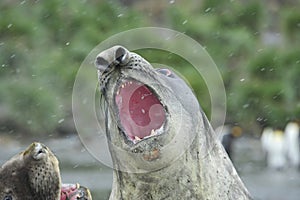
x=140 y=112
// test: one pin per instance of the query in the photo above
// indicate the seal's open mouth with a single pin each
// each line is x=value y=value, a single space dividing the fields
x=141 y=113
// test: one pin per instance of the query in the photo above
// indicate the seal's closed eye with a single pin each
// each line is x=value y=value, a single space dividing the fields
x=166 y=72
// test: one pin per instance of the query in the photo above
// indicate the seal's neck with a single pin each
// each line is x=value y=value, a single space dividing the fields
x=199 y=173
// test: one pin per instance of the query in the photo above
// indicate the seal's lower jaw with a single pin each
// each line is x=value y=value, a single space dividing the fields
x=140 y=112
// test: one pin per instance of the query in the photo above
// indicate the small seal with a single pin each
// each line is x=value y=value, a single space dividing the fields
x=34 y=175
x=161 y=143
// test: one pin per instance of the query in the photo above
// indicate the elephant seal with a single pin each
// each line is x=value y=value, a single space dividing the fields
x=34 y=175
x=161 y=143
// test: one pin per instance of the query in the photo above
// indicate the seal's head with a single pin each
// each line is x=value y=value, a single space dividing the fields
x=147 y=109
x=32 y=174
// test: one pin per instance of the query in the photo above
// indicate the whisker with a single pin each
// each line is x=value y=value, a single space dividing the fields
x=103 y=103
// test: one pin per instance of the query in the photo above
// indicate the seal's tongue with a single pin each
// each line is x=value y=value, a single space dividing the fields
x=140 y=111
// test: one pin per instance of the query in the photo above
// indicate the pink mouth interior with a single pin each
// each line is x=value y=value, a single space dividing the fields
x=140 y=111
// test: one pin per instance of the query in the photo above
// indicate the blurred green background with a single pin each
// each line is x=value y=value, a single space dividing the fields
x=255 y=45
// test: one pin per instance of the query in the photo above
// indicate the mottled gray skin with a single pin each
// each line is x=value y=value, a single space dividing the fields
x=186 y=161
x=31 y=175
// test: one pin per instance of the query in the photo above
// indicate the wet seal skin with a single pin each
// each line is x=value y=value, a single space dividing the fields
x=34 y=175
x=161 y=143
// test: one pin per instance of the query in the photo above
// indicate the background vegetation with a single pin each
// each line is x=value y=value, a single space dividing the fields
x=255 y=44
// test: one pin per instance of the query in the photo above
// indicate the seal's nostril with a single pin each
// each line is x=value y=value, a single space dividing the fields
x=121 y=55
x=101 y=63
x=120 y=52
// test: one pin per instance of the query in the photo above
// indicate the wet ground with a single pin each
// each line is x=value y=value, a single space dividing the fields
x=77 y=165
x=264 y=183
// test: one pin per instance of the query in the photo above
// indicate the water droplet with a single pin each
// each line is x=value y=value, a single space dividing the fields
x=68 y=43
x=242 y=79
x=246 y=105
x=143 y=111
x=23 y=2
x=172 y=1
x=184 y=22
x=75 y=166
x=207 y=10
x=262 y=69
x=83 y=150
x=9 y=25
x=61 y=120
x=120 y=15
x=259 y=119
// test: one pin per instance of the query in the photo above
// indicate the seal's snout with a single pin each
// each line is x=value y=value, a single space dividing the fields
x=112 y=57
x=39 y=151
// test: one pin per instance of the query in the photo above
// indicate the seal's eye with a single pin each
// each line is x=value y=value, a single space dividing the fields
x=8 y=197
x=166 y=72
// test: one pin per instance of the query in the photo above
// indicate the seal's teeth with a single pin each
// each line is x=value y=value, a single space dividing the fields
x=137 y=138
x=153 y=132
x=118 y=92
x=130 y=82
x=122 y=86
